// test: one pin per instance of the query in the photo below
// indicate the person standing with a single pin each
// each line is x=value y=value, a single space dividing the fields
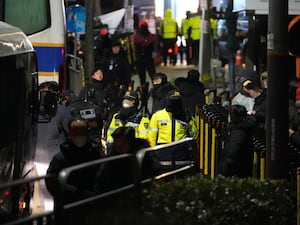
x=192 y=90
x=144 y=46
x=116 y=66
x=168 y=32
x=237 y=156
x=96 y=91
x=77 y=149
x=194 y=34
x=128 y=116
x=184 y=32
x=172 y=123
x=159 y=91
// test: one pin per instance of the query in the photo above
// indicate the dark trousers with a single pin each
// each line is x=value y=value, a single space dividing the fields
x=195 y=52
x=143 y=64
x=167 y=44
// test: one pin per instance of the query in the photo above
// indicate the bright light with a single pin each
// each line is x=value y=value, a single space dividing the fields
x=180 y=11
x=159 y=8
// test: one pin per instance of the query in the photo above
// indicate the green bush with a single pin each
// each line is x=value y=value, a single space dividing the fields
x=223 y=201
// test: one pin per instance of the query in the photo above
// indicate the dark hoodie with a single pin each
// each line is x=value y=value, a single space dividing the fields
x=80 y=182
x=159 y=95
x=192 y=93
x=237 y=156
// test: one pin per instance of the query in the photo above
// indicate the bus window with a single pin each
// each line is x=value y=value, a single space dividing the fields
x=34 y=13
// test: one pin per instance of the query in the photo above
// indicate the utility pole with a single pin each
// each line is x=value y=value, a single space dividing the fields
x=205 y=42
x=277 y=94
x=89 y=38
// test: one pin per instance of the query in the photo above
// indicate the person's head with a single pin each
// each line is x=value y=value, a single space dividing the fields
x=116 y=46
x=130 y=99
x=97 y=74
x=251 y=88
x=188 y=14
x=143 y=26
x=193 y=75
x=78 y=132
x=168 y=13
x=49 y=86
x=237 y=113
x=159 y=79
x=124 y=138
x=174 y=101
x=65 y=96
x=251 y=75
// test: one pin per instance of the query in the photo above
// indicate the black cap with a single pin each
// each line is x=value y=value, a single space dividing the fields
x=66 y=93
x=115 y=42
x=131 y=95
x=193 y=75
x=164 y=78
x=174 y=95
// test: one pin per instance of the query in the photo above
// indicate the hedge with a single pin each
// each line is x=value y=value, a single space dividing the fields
x=222 y=201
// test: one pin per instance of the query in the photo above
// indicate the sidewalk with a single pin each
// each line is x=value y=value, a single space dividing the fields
x=181 y=70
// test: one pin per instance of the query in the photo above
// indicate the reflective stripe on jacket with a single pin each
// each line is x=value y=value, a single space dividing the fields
x=194 y=24
x=141 y=128
x=160 y=128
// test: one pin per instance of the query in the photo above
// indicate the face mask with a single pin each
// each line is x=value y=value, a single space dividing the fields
x=127 y=103
x=79 y=141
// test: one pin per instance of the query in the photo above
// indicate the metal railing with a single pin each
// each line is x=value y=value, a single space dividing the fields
x=145 y=168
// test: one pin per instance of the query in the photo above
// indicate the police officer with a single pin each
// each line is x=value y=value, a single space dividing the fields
x=168 y=32
x=129 y=115
x=194 y=35
x=158 y=93
x=184 y=33
x=172 y=123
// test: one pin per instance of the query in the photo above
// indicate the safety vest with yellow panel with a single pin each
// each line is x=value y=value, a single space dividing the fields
x=160 y=128
x=213 y=26
x=168 y=26
x=194 y=24
x=184 y=28
x=140 y=124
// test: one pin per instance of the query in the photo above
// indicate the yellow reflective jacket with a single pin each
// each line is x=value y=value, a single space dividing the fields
x=194 y=24
x=160 y=128
x=168 y=26
x=184 y=27
x=213 y=26
x=139 y=124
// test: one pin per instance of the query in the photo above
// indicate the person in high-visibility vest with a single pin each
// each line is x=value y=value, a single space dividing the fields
x=129 y=115
x=172 y=123
x=168 y=32
x=184 y=33
x=194 y=33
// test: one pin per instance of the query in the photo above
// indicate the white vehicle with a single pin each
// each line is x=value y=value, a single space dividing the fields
x=43 y=21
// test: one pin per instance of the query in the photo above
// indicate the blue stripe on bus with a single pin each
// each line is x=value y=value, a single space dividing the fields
x=49 y=58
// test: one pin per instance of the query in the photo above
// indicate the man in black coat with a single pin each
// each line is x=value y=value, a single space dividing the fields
x=116 y=67
x=77 y=149
x=96 y=91
x=191 y=89
x=237 y=155
x=118 y=173
x=159 y=91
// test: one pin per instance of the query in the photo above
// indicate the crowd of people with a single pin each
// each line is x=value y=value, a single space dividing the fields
x=108 y=117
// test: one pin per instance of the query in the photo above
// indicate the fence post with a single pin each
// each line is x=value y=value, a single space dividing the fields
x=298 y=195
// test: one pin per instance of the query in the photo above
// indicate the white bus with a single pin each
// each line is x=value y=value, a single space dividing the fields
x=43 y=21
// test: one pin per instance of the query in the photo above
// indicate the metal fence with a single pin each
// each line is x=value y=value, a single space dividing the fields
x=143 y=168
